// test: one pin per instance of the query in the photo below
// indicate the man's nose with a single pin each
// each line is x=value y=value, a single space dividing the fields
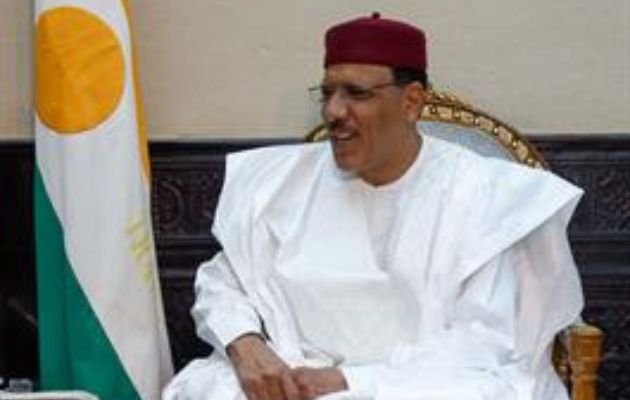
x=335 y=107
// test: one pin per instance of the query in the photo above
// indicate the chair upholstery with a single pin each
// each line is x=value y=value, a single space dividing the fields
x=577 y=350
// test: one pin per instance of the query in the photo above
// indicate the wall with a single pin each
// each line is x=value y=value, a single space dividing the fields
x=235 y=68
x=15 y=64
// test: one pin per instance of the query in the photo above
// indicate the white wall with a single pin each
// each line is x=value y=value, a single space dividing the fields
x=236 y=68
x=15 y=70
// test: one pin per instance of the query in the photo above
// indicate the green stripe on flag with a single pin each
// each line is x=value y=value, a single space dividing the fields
x=74 y=351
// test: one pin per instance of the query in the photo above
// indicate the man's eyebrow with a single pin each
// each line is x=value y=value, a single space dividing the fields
x=345 y=83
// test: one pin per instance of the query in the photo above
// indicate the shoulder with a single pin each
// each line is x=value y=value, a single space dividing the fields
x=499 y=192
x=254 y=178
x=257 y=166
x=503 y=202
x=491 y=176
x=514 y=200
x=268 y=158
x=508 y=179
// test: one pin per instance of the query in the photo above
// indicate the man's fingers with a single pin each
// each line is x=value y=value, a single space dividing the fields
x=303 y=384
x=273 y=384
x=255 y=388
x=291 y=391
x=262 y=374
x=276 y=385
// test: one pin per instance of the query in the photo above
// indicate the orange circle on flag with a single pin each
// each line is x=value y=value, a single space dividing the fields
x=80 y=70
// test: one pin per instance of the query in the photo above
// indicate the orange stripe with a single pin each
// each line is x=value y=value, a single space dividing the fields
x=142 y=128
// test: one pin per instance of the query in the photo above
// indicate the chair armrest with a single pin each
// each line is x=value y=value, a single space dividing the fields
x=585 y=352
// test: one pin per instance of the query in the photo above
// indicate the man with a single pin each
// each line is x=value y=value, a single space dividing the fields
x=385 y=264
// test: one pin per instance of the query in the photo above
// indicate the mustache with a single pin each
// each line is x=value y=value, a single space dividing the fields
x=334 y=125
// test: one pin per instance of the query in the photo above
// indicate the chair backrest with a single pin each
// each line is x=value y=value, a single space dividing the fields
x=451 y=119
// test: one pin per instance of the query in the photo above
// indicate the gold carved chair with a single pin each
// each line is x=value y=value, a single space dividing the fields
x=577 y=350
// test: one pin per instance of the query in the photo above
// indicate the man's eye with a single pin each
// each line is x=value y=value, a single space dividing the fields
x=326 y=92
x=357 y=92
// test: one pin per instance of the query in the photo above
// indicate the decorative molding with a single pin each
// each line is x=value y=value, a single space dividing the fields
x=184 y=342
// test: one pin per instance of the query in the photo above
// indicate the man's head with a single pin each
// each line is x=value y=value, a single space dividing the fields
x=372 y=92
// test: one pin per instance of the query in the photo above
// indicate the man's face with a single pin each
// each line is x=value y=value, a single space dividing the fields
x=368 y=117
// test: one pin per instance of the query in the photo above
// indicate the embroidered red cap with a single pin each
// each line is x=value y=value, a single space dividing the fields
x=376 y=40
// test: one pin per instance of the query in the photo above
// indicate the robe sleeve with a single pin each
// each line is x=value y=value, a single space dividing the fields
x=222 y=312
x=493 y=346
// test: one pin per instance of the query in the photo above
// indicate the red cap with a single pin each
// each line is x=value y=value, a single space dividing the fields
x=376 y=40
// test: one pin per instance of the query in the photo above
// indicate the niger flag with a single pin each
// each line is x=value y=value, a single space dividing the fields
x=101 y=324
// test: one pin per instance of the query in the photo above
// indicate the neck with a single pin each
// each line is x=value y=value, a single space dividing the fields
x=405 y=155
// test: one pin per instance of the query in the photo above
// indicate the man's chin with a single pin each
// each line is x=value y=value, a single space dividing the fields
x=346 y=168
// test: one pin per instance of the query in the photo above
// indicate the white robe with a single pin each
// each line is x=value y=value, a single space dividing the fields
x=461 y=303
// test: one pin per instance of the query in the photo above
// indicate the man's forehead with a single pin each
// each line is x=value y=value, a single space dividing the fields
x=357 y=73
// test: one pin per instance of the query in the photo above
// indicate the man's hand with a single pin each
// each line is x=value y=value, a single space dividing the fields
x=262 y=374
x=314 y=382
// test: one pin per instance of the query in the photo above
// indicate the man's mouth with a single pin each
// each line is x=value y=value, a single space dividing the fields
x=343 y=136
x=338 y=132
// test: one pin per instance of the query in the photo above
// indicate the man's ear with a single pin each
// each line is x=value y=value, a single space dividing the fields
x=415 y=96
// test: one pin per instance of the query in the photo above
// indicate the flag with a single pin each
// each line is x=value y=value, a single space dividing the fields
x=101 y=324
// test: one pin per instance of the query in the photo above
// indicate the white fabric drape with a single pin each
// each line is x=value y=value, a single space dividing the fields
x=477 y=276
